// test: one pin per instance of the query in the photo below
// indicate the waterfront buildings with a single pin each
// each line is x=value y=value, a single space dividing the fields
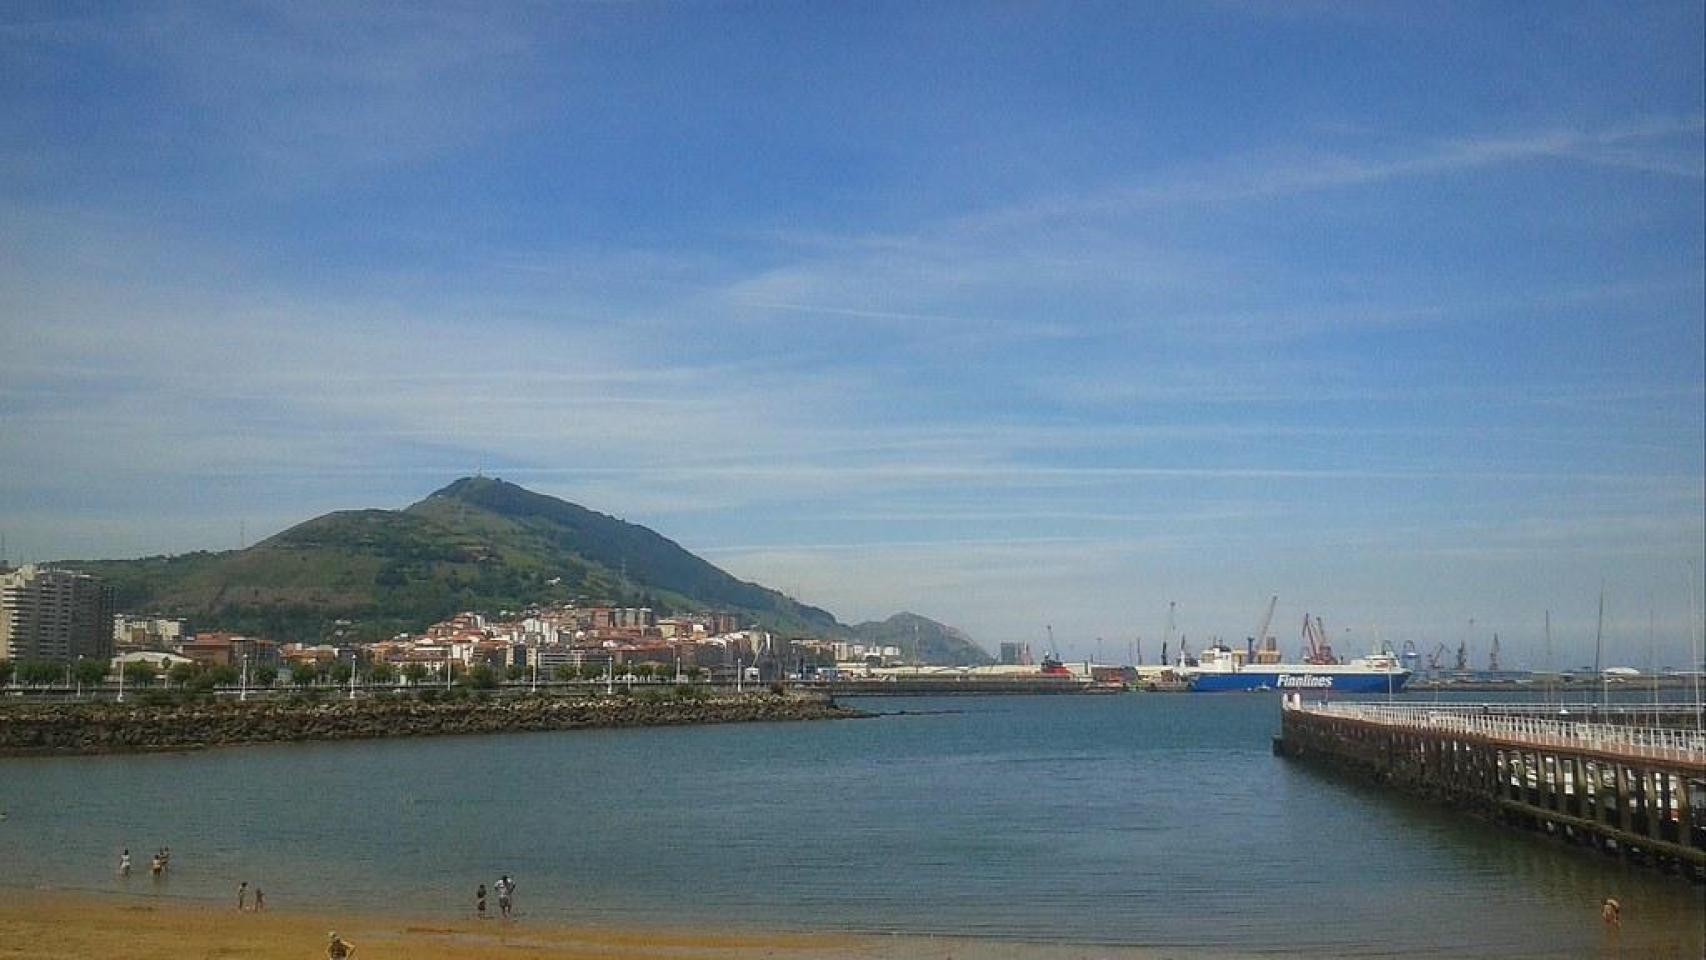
x=54 y=615
x=148 y=633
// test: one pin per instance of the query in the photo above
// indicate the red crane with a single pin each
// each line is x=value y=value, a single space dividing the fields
x=1316 y=649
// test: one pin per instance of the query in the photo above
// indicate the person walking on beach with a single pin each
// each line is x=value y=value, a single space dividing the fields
x=157 y=866
x=480 y=902
x=506 y=891
x=260 y=900
x=242 y=896
x=339 y=948
x=124 y=863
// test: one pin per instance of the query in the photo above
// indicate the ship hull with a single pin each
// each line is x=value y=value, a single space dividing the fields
x=1300 y=679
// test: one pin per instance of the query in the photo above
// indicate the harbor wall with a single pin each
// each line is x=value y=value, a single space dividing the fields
x=1649 y=810
x=49 y=729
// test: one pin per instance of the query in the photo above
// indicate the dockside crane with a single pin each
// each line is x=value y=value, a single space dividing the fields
x=1434 y=661
x=1462 y=656
x=1266 y=650
x=1493 y=656
x=1316 y=648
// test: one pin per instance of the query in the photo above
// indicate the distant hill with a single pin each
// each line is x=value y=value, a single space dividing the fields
x=477 y=544
x=921 y=638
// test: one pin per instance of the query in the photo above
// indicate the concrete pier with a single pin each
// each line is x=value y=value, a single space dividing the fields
x=1636 y=789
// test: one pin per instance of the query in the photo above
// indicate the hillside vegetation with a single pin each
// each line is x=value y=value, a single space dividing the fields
x=477 y=544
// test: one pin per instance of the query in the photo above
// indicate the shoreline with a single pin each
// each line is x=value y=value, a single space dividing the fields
x=84 y=925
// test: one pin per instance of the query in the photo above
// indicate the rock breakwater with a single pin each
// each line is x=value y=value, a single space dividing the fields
x=48 y=729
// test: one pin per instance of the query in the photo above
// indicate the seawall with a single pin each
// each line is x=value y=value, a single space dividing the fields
x=53 y=729
x=1638 y=792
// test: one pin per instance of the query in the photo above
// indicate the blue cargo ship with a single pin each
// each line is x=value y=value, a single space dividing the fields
x=1220 y=670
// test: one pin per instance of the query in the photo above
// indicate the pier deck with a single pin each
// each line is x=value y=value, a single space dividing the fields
x=1625 y=780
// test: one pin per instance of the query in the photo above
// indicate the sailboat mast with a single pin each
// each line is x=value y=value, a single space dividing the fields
x=1551 y=673
x=1598 y=649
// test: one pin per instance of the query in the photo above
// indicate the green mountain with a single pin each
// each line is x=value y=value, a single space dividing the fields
x=478 y=544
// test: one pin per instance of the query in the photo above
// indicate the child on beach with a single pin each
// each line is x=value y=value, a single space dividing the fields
x=339 y=948
x=480 y=902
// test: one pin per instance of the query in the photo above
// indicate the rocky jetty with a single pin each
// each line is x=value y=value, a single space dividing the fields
x=47 y=729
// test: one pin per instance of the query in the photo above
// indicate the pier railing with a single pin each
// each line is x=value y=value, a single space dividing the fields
x=1520 y=727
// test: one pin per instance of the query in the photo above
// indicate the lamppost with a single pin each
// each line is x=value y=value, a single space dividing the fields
x=243 y=693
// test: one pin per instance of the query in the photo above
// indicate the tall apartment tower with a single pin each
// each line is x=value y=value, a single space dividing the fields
x=54 y=615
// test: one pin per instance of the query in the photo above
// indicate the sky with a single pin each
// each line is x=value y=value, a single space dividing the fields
x=1015 y=315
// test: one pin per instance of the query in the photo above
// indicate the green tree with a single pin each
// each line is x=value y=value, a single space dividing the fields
x=481 y=677
x=515 y=671
x=222 y=675
x=139 y=672
x=36 y=673
x=265 y=675
x=382 y=672
x=90 y=672
x=304 y=672
x=6 y=670
x=182 y=673
x=414 y=673
x=644 y=671
x=341 y=673
x=567 y=671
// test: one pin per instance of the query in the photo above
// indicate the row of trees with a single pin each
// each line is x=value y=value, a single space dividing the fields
x=196 y=676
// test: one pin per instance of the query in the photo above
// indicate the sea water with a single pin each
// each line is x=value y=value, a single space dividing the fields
x=1139 y=819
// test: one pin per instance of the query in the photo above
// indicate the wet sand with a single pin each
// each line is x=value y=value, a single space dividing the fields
x=79 y=926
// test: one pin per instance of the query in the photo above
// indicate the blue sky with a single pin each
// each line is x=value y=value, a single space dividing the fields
x=1009 y=314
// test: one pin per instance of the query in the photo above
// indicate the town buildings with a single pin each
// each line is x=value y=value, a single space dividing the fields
x=54 y=615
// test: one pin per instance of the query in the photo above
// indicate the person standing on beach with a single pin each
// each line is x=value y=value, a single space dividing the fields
x=506 y=890
x=157 y=866
x=480 y=902
x=260 y=900
x=339 y=948
x=242 y=896
x=124 y=863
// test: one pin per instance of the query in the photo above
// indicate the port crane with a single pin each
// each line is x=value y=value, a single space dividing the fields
x=1316 y=648
x=1462 y=656
x=1434 y=662
x=1265 y=650
x=1493 y=656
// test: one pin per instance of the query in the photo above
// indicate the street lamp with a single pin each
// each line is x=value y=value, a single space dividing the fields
x=244 y=693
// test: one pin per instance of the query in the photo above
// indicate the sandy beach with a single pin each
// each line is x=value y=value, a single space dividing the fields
x=78 y=926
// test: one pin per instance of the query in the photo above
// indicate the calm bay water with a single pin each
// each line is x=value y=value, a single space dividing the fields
x=1143 y=819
